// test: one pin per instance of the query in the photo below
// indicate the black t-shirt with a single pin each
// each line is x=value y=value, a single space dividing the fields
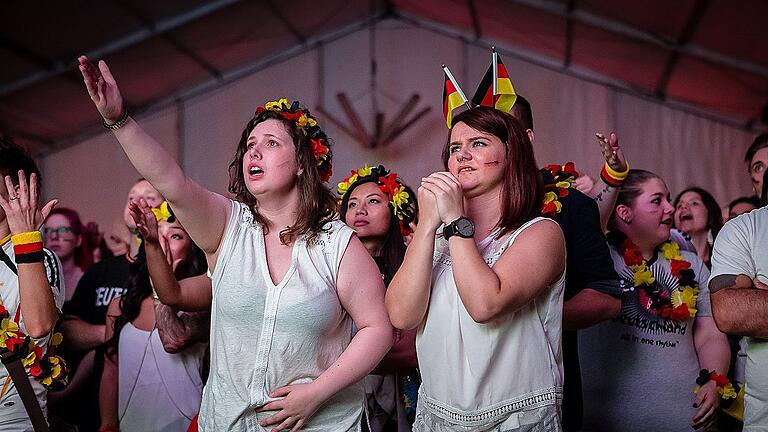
x=588 y=265
x=101 y=283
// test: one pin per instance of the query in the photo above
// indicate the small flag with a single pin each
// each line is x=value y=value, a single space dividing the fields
x=453 y=97
x=496 y=89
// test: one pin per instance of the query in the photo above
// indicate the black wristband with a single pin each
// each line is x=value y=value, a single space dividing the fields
x=30 y=258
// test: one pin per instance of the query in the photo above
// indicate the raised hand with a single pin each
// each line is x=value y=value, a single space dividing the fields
x=102 y=88
x=145 y=220
x=21 y=205
x=612 y=153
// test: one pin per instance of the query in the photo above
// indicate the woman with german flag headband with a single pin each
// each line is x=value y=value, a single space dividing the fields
x=485 y=294
x=289 y=282
x=383 y=210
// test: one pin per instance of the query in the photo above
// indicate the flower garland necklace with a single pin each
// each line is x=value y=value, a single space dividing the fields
x=564 y=176
x=49 y=369
x=678 y=305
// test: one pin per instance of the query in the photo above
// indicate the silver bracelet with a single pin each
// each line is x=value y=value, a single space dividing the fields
x=119 y=123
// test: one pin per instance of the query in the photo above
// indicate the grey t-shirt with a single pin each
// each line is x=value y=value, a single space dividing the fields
x=639 y=370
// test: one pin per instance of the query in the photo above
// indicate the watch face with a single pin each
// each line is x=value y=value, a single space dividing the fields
x=465 y=227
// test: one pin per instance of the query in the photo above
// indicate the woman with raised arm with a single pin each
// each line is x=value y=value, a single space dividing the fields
x=144 y=387
x=382 y=210
x=487 y=294
x=289 y=282
x=638 y=370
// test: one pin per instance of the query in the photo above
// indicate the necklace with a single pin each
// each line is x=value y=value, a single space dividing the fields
x=678 y=305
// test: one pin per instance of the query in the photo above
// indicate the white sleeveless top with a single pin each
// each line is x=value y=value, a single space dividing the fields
x=157 y=391
x=504 y=374
x=265 y=336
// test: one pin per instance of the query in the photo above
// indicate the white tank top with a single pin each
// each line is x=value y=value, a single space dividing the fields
x=157 y=391
x=477 y=375
x=265 y=336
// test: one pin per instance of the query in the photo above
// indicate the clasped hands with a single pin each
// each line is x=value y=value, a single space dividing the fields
x=441 y=199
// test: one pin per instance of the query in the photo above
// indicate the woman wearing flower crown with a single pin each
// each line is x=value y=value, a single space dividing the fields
x=289 y=282
x=382 y=211
x=638 y=370
x=143 y=387
x=486 y=295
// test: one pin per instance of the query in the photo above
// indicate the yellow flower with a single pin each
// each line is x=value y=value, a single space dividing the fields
x=399 y=199
x=687 y=295
x=30 y=359
x=276 y=105
x=56 y=339
x=342 y=188
x=671 y=251
x=364 y=171
x=549 y=197
x=8 y=329
x=643 y=275
x=727 y=391
x=162 y=213
x=563 y=184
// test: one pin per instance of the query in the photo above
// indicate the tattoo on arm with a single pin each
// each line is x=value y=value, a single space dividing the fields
x=722 y=281
x=606 y=189
x=180 y=330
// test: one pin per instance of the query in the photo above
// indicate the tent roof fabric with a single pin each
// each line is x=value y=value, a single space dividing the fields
x=706 y=54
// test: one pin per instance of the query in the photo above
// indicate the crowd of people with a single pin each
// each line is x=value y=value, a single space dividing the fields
x=498 y=295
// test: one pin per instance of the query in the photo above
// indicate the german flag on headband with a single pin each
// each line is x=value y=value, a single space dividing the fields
x=453 y=97
x=496 y=90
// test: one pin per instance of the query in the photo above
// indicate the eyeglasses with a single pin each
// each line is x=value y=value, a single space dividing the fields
x=60 y=232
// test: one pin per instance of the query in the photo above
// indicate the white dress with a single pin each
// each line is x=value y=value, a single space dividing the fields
x=157 y=391
x=265 y=336
x=505 y=375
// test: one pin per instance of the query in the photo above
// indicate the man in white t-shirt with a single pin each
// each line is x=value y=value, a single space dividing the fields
x=739 y=293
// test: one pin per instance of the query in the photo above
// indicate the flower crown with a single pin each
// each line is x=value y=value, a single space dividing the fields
x=308 y=124
x=401 y=202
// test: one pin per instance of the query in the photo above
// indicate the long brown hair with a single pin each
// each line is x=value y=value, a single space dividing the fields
x=522 y=191
x=317 y=205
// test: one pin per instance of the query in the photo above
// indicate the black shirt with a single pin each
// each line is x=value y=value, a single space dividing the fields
x=588 y=265
x=101 y=283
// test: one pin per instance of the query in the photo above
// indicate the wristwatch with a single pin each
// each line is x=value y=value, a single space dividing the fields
x=462 y=227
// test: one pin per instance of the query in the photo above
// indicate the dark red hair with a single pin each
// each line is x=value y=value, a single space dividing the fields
x=522 y=190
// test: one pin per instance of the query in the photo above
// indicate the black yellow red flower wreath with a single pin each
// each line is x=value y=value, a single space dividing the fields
x=401 y=202
x=317 y=138
x=563 y=178
x=678 y=305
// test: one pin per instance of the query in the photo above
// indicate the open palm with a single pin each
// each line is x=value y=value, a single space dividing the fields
x=102 y=88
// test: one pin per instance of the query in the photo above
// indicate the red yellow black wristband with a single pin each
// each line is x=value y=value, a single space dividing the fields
x=28 y=247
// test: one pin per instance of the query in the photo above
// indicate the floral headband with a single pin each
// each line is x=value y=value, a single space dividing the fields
x=308 y=124
x=400 y=201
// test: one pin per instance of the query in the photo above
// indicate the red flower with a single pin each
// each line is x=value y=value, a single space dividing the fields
x=553 y=168
x=632 y=255
x=35 y=370
x=677 y=266
x=13 y=342
x=549 y=208
x=292 y=116
x=720 y=380
x=563 y=192
x=680 y=313
x=570 y=168
x=3 y=311
x=318 y=148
